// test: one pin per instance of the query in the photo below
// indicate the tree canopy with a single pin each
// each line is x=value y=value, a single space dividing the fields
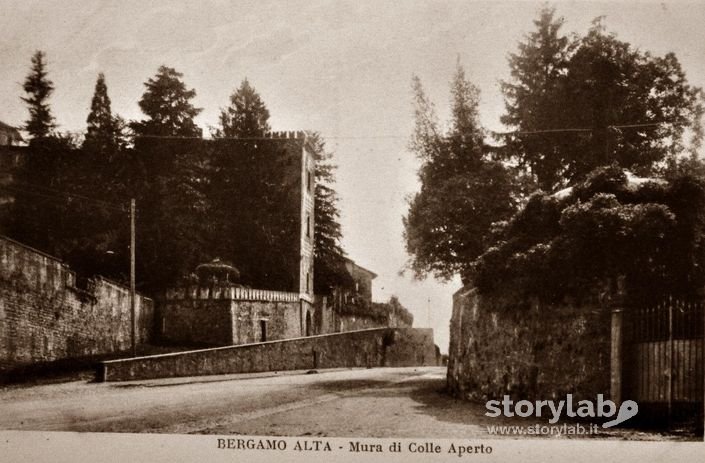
x=246 y=116
x=463 y=190
x=583 y=111
x=606 y=228
x=103 y=129
x=167 y=104
x=578 y=103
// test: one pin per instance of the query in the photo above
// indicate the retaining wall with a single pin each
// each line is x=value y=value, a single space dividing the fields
x=45 y=316
x=382 y=347
x=535 y=353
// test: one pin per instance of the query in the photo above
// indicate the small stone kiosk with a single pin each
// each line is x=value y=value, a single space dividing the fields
x=211 y=308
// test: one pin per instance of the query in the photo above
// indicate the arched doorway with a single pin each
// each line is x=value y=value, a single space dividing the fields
x=308 y=323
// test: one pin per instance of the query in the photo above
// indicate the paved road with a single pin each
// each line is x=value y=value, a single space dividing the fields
x=379 y=402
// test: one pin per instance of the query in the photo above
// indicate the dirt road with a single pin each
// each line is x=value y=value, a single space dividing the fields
x=380 y=402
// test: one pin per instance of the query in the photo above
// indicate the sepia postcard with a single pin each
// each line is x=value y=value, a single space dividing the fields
x=453 y=230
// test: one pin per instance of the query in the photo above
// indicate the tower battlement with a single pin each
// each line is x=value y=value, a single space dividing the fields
x=286 y=135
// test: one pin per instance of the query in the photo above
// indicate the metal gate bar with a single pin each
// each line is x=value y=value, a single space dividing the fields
x=664 y=349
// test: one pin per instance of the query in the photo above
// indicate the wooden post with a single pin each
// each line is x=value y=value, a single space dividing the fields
x=670 y=359
x=616 y=354
x=132 y=278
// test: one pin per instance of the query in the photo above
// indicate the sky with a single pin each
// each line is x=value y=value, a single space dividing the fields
x=341 y=68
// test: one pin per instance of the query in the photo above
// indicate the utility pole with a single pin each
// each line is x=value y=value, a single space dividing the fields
x=132 y=278
x=428 y=313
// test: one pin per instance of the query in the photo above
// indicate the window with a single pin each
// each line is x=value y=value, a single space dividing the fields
x=309 y=180
x=307 y=282
x=308 y=226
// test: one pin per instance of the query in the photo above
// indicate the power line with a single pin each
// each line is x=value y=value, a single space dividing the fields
x=585 y=129
x=629 y=126
x=344 y=137
x=383 y=136
x=532 y=132
x=60 y=196
x=71 y=195
x=392 y=136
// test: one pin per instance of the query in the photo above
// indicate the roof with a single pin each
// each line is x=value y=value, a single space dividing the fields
x=11 y=129
x=355 y=264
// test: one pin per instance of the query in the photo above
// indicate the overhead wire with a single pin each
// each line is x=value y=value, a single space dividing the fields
x=56 y=195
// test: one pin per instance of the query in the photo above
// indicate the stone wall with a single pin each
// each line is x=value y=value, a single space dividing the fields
x=352 y=322
x=385 y=347
x=536 y=353
x=333 y=317
x=228 y=315
x=45 y=316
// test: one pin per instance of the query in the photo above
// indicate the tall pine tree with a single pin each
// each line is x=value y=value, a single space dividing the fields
x=167 y=105
x=168 y=181
x=246 y=116
x=328 y=255
x=103 y=130
x=537 y=72
x=38 y=88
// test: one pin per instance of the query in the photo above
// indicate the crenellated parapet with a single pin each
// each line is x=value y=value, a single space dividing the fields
x=286 y=135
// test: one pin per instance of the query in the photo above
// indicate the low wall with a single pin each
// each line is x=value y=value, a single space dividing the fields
x=537 y=353
x=45 y=316
x=393 y=347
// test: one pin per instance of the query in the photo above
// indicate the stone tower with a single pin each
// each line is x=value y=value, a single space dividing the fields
x=304 y=165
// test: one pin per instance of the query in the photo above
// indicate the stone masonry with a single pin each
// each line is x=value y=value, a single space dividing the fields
x=45 y=315
x=534 y=353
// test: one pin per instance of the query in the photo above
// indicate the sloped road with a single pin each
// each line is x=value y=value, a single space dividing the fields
x=378 y=402
x=368 y=402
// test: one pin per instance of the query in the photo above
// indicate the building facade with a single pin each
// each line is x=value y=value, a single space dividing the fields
x=9 y=136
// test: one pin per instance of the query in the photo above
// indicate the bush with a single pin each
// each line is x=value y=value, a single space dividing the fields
x=553 y=249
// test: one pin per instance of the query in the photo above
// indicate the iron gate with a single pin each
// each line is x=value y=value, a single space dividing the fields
x=663 y=361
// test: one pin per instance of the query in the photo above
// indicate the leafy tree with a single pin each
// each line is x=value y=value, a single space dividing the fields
x=38 y=88
x=601 y=101
x=329 y=258
x=463 y=191
x=167 y=104
x=246 y=116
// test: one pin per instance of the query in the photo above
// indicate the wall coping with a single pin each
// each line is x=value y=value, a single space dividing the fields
x=34 y=250
x=238 y=346
x=120 y=286
x=231 y=293
x=69 y=271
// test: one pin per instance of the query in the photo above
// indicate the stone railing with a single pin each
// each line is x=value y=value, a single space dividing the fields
x=231 y=293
